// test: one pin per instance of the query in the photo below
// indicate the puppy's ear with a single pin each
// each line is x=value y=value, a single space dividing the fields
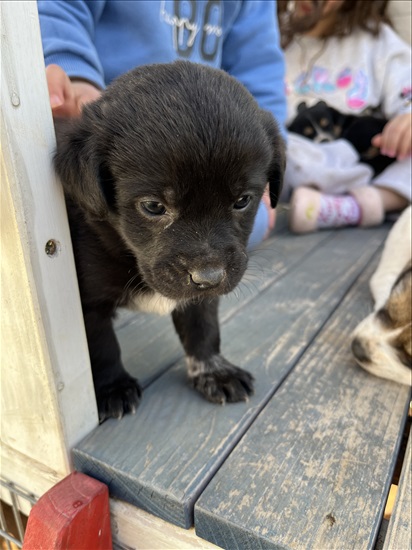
x=80 y=165
x=278 y=164
x=302 y=107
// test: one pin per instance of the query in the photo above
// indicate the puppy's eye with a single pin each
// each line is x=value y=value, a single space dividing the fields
x=153 y=207
x=242 y=202
x=308 y=131
x=323 y=122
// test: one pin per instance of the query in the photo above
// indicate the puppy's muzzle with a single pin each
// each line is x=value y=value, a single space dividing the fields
x=207 y=278
x=359 y=351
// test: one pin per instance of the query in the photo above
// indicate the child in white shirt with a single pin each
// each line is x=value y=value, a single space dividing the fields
x=344 y=53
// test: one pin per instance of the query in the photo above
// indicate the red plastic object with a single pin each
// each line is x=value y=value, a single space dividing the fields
x=72 y=515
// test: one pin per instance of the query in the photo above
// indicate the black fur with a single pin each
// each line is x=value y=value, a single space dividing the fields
x=322 y=123
x=163 y=176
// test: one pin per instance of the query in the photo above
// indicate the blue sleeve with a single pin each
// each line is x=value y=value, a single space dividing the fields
x=252 y=54
x=67 y=30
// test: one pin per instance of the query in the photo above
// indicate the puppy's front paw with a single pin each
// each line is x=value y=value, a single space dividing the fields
x=120 y=397
x=220 y=381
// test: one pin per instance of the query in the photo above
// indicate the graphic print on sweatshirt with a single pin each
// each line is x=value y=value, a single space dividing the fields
x=320 y=81
x=194 y=25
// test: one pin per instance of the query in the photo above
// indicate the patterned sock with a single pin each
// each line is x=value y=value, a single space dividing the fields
x=338 y=211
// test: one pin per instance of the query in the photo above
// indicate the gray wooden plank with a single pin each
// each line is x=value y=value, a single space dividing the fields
x=149 y=346
x=380 y=540
x=162 y=458
x=123 y=316
x=314 y=470
x=399 y=533
x=272 y=260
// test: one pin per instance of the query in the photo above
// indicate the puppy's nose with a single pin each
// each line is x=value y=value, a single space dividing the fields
x=359 y=351
x=208 y=277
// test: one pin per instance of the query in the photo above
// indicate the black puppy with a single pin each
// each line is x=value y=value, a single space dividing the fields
x=163 y=176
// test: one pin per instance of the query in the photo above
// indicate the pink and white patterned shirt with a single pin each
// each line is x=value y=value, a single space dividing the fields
x=351 y=74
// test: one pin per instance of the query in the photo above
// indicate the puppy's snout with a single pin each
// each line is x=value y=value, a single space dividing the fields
x=359 y=351
x=208 y=277
x=323 y=138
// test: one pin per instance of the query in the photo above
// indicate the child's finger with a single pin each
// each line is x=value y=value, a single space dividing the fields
x=377 y=140
x=85 y=93
x=390 y=140
x=396 y=137
x=55 y=83
x=60 y=92
x=405 y=146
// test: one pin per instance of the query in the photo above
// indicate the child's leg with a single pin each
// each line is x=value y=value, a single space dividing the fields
x=392 y=201
x=264 y=222
x=346 y=201
x=364 y=206
x=311 y=210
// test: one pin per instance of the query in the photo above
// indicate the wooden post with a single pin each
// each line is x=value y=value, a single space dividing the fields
x=48 y=401
x=73 y=515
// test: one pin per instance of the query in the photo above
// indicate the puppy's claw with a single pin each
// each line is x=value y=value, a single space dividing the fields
x=119 y=398
x=221 y=382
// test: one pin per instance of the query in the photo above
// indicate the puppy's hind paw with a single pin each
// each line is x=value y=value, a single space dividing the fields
x=118 y=398
x=219 y=381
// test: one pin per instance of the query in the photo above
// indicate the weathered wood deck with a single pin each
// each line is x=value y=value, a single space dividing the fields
x=307 y=462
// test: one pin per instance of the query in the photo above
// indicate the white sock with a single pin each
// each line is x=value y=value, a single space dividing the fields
x=338 y=211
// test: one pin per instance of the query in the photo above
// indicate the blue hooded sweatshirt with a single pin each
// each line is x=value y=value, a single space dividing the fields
x=101 y=39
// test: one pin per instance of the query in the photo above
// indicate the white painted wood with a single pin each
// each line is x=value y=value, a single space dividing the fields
x=138 y=530
x=48 y=401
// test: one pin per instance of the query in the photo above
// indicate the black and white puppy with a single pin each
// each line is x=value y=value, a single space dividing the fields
x=322 y=124
x=382 y=342
x=163 y=176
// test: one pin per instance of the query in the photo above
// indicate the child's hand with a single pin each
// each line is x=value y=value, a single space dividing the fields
x=68 y=97
x=395 y=140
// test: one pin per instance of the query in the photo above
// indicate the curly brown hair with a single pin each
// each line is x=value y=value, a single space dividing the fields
x=353 y=14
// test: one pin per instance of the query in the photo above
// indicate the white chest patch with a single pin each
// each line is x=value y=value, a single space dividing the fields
x=153 y=302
